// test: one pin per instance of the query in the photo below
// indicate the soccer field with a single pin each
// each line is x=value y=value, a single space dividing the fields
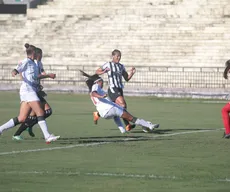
x=186 y=154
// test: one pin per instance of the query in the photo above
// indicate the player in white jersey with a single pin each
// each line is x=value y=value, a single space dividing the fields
x=28 y=95
x=32 y=118
x=108 y=109
x=116 y=72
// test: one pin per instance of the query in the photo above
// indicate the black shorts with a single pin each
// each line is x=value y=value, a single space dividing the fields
x=114 y=93
x=41 y=95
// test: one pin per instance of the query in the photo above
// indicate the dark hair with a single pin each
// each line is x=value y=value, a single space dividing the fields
x=29 y=48
x=116 y=52
x=90 y=79
x=227 y=63
x=38 y=50
x=227 y=68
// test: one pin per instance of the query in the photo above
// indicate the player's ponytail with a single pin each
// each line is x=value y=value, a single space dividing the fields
x=27 y=45
x=227 y=68
x=90 y=79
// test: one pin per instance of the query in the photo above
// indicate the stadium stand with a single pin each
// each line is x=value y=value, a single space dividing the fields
x=168 y=38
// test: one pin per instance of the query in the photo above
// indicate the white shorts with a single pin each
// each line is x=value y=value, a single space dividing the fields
x=115 y=111
x=29 y=96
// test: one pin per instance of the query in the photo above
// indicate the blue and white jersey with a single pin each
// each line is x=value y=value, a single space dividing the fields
x=103 y=105
x=29 y=71
x=115 y=74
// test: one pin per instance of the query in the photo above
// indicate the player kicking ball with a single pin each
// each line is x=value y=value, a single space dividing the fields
x=109 y=110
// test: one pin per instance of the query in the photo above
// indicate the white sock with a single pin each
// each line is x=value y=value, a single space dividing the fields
x=7 y=125
x=144 y=123
x=44 y=128
x=117 y=120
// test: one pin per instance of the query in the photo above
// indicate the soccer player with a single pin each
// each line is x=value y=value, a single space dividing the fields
x=28 y=95
x=226 y=109
x=108 y=109
x=115 y=71
x=32 y=119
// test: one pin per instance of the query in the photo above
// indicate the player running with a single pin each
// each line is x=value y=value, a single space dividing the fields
x=32 y=119
x=116 y=71
x=28 y=95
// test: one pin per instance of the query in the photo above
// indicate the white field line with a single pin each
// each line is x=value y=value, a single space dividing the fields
x=103 y=174
x=101 y=143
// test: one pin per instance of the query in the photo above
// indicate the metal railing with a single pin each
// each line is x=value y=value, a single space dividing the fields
x=145 y=77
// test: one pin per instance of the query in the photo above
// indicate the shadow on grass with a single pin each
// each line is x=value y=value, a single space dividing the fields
x=109 y=139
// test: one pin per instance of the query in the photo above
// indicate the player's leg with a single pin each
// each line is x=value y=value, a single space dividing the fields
x=226 y=120
x=138 y=121
x=48 y=113
x=23 y=113
x=115 y=113
x=120 y=126
x=37 y=108
x=116 y=95
x=31 y=119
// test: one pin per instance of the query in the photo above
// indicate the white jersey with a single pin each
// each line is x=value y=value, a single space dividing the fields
x=30 y=71
x=103 y=105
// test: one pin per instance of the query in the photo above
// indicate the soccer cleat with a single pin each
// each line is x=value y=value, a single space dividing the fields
x=226 y=136
x=30 y=131
x=129 y=127
x=17 y=138
x=95 y=117
x=154 y=126
x=51 y=138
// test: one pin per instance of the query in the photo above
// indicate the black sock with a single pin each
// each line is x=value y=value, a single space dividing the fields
x=48 y=112
x=126 y=122
x=21 y=129
x=31 y=120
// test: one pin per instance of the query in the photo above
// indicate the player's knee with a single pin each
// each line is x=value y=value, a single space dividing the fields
x=20 y=119
x=48 y=112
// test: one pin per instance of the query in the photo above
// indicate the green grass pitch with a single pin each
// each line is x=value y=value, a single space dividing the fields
x=185 y=154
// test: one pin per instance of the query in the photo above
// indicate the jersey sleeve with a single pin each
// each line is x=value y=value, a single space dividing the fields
x=106 y=65
x=94 y=88
x=21 y=66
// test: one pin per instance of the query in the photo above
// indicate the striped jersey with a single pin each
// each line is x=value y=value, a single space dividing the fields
x=115 y=74
x=30 y=71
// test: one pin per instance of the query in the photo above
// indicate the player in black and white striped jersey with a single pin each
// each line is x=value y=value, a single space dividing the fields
x=116 y=72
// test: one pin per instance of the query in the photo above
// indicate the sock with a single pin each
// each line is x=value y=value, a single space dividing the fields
x=30 y=122
x=48 y=112
x=225 y=117
x=143 y=123
x=21 y=129
x=125 y=122
x=43 y=126
x=117 y=120
x=9 y=124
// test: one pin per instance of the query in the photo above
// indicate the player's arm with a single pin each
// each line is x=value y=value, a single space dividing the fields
x=49 y=75
x=127 y=76
x=101 y=71
x=95 y=94
x=14 y=72
x=227 y=68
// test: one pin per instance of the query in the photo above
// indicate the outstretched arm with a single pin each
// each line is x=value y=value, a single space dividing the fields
x=127 y=76
x=49 y=75
x=101 y=71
